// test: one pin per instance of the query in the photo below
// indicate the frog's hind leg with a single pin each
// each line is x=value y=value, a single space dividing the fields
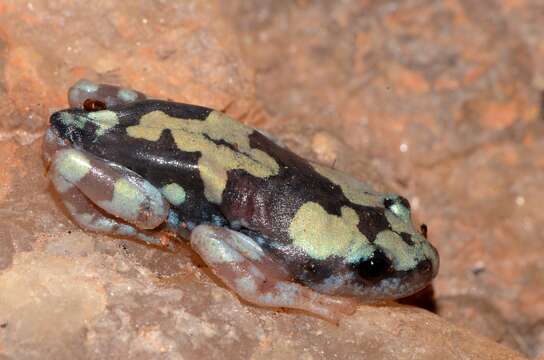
x=243 y=266
x=109 y=95
x=99 y=194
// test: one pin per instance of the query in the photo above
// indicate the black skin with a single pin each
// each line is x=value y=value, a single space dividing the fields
x=254 y=200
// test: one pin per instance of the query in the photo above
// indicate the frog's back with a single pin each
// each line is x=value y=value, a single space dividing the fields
x=222 y=168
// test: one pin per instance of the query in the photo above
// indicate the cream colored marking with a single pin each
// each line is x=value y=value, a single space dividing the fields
x=89 y=220
x=401 y=211
x=404 y=256
x=286 y=294
x=104 y=119
x=174 y=193
x=255 y=272
x=127 y=95
x=86 y=85
x=70 y=120
x=216 y=160
x=60 y=183
x=244 y=245
x=126 y=200
x=217 y=252
x=321 y=234
x=354 y=190
x=208 y=243
x=72 y=165
x=246 y=284
x=398 y=224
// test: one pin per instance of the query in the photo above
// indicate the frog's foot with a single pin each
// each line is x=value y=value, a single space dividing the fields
x=97 y=192
x=109 y=95
x=243 y=266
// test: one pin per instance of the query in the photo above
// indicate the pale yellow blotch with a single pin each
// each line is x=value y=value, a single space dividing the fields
x=174 y=193
x=127 y=95
x=404 y=256
x=216 y=160
x=104 y=119
x=402 y=212
x=321 y=234
x=204 y=241
x=398 y=224
x=61 y=185
x=126 y=199
x=70 y=120
x=355 y=191
x=72 y=165
x=246 y=284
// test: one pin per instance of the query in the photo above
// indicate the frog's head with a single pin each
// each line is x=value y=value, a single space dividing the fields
x=78 y=128
x=78 y=125
x=376 y=253
x=398 y=262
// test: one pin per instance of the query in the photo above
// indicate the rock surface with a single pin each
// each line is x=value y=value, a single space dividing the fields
x=439 y=100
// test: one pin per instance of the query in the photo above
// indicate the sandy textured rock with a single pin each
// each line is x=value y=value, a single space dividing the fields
x=438 y=100
x=71 y=298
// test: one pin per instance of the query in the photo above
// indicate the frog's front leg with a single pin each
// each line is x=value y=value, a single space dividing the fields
x=88 y=216
x=92 y=189
x=243 y=266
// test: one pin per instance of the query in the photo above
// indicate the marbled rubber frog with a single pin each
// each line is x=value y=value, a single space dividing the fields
x=278 y=230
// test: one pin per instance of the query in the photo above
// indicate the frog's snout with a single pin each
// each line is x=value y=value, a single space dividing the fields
x=427 y=269
x=52 y=143
x=70 y=125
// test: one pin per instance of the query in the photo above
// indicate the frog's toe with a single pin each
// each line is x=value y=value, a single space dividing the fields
x=243 y=266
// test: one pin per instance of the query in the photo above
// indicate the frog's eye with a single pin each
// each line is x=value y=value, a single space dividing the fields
x=374 y=268
x=91 y=105
x=399 y=206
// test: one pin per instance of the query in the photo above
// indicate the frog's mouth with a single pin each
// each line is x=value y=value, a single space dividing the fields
x=395 y=285
x=52 y=142
x=403 y=283
x=400 y=283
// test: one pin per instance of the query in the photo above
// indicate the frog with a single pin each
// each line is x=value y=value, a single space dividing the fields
x=278 y=230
